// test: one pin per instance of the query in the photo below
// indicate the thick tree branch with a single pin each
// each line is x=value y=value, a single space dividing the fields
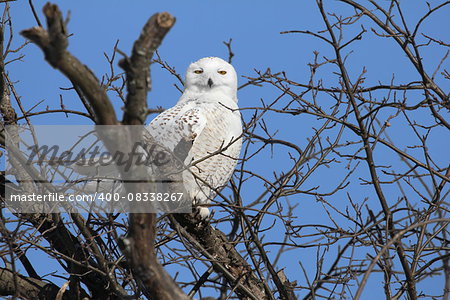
x=226 y=260
x=53 y=43
x=137 y=67
x=139 y=244
x=28 y=288
x=156 y=282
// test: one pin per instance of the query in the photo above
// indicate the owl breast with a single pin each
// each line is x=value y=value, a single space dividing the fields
x=214 y=153
x=215 y=130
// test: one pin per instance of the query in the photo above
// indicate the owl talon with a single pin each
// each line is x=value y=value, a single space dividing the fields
x=203 y=212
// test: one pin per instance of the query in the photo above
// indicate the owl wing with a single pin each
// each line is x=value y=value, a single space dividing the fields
x=210 y=127
x=183 y=121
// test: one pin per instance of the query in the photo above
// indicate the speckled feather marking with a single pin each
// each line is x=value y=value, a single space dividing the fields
x=212 y=127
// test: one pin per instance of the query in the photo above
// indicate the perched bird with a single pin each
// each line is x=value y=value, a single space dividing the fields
x=206 y=114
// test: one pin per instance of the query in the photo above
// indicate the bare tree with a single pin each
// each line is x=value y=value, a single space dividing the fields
x=381 y=193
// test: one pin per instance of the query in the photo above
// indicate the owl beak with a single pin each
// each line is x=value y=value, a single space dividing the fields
x=210 y=82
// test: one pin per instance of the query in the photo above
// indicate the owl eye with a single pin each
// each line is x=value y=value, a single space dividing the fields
x=222 y=72
x=198 y=71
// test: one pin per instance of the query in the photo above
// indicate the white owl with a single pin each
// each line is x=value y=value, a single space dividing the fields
x=207 y=113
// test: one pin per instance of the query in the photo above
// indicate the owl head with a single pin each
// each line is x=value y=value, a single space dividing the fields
x=211 y=74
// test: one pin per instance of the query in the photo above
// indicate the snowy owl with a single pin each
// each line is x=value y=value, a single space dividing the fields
x=206 y=114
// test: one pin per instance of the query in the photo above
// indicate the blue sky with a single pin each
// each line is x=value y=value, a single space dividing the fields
x=200 y=30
